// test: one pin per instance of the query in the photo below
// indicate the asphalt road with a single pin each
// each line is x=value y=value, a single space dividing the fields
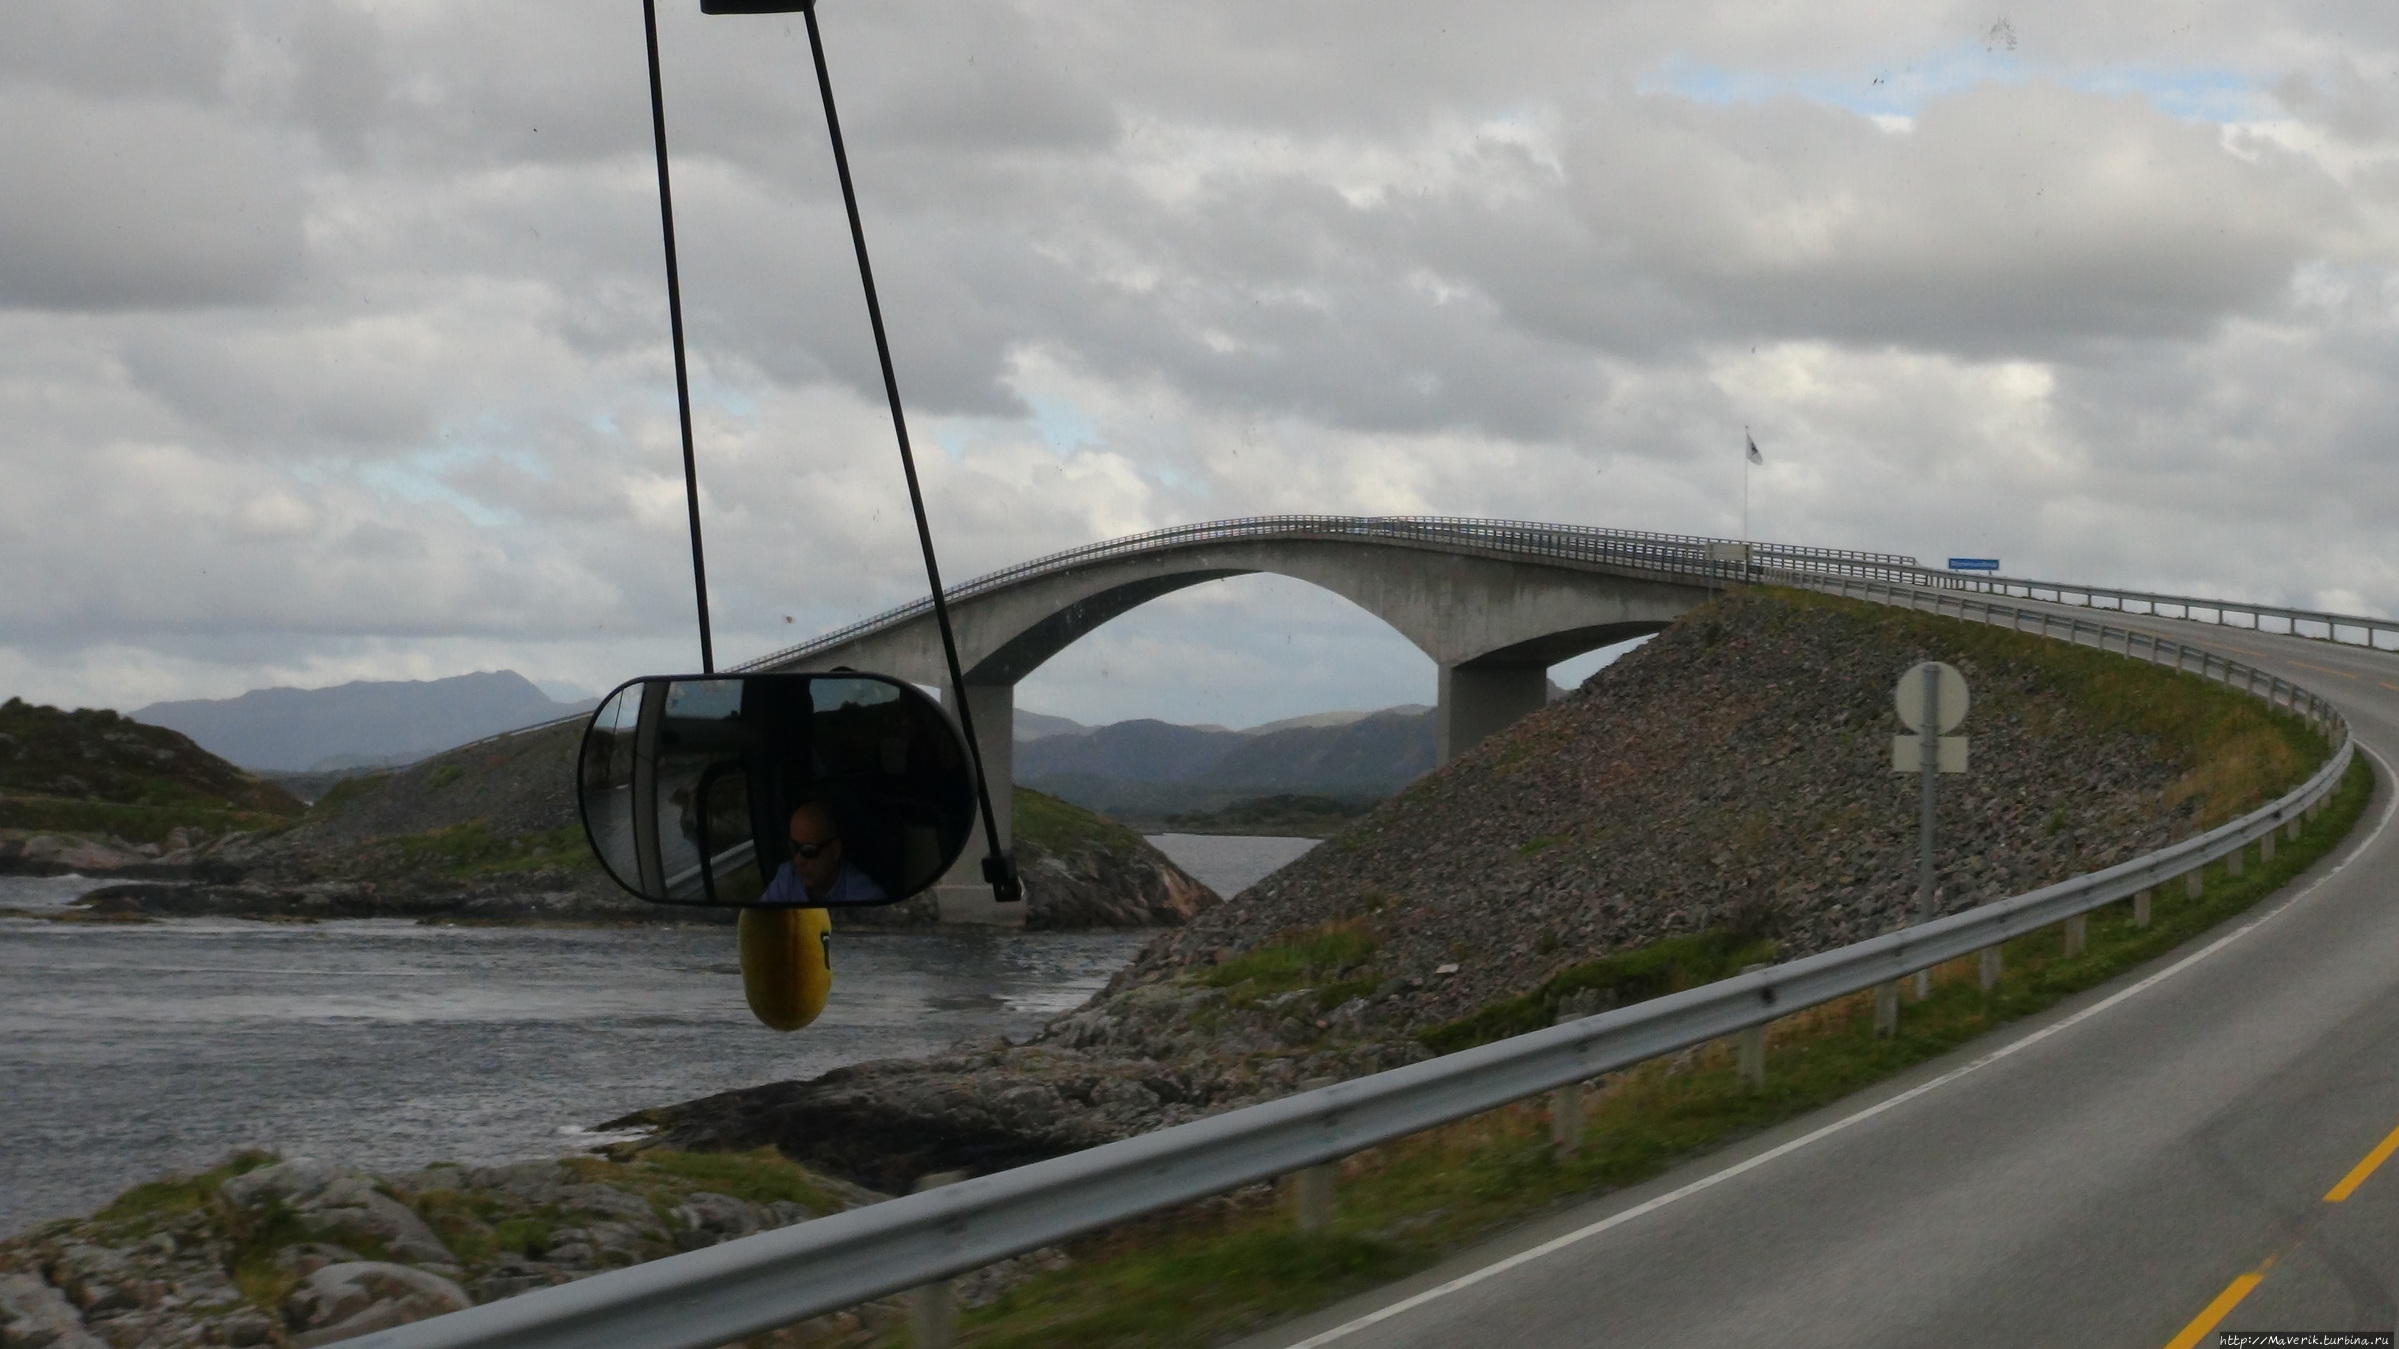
x=2144 y=1158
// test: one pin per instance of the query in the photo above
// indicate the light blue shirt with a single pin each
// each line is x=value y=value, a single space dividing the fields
x=850 y=886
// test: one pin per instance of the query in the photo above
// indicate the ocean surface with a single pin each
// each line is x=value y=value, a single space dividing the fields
x=130 y=1051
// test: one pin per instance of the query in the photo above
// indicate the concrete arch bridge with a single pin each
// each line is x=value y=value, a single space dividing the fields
x=1494 y=603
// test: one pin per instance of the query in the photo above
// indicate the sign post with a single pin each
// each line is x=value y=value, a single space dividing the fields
x=1931 y=699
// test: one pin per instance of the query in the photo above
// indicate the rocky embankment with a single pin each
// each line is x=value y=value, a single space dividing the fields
x=1728 y=783
x=302 y=1253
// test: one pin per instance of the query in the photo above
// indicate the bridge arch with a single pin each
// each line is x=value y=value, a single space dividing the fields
x=1493 y=620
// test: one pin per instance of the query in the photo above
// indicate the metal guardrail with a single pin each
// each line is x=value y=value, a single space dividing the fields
x=2132 y=642
x=724 y=1293
x=2188 y=607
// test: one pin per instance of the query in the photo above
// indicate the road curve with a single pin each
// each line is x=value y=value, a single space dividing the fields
x=2142 y=1157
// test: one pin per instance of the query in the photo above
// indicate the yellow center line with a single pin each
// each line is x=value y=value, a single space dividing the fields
x=2329 y=670
x=2216 y=1311
x=2240 y=1288
x=2388 y=685
x=2358 y=1173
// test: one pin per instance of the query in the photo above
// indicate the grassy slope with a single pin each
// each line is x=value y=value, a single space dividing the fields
x=94 y=771
x=1060 y=827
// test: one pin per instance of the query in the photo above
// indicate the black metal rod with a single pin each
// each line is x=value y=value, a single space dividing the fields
x=996 y=866
x=674 y=315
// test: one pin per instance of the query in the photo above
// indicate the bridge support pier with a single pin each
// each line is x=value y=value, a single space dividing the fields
x=1476 y=702
x=962 y=895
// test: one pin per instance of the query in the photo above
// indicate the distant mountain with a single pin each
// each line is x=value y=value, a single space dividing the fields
x=1138 y=751
x=1145 y=769
x=1376 y=754
x=395 y=722
x=1041 y=726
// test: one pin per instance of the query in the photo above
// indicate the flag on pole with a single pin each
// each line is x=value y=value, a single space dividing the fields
x=1754 y=456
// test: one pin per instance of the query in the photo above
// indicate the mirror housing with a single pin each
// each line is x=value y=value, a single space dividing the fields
x=688 y=784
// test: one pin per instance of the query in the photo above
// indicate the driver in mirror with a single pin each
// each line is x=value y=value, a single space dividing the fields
x=816 y=875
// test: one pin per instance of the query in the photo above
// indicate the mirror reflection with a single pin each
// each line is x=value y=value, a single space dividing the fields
x=797 y=790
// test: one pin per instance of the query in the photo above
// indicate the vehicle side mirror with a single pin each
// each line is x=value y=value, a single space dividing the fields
x=688 y=785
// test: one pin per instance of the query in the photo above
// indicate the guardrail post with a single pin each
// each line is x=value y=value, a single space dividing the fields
x=1312 y=1196
x=2265 y=848
x=2140 y=908
x=1750 y=1046
x=1311 y=1190
x=2078 y=934
x=1886 y=1010
x=2194 y=882
x=1566 y=1106
x=2234 y=859
x=933 y=1307
x=1990 y=968
x=2291 y=831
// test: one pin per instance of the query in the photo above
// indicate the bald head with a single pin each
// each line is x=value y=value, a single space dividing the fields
x=812 y=823
x=815 y=847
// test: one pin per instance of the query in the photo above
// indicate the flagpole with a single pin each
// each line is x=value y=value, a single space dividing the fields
x=1745 y=444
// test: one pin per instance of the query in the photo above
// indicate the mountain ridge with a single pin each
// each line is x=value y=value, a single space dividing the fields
x=295 y=730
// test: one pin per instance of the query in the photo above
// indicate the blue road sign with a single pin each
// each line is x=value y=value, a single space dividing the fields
x=1974 y=564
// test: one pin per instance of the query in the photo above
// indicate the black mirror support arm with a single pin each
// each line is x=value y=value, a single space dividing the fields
x=998 y=869
x=674 y=314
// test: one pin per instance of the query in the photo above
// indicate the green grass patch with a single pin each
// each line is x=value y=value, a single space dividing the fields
x=1057 y=826
x=762 y=1176
x=140 y=1210
x=350 y=791
x=525 y=1236
x=1300 y=958
x=1662 y=967
x=472 y=849
x=1208 y=1273
x=134 y=824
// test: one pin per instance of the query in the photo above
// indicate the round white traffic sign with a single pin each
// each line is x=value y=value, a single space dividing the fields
x=1948 y=687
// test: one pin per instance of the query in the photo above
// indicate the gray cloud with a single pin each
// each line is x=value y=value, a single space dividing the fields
x=130 y=205
x=337 y=332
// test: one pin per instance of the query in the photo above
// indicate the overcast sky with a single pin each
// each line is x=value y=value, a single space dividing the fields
x=333 y=335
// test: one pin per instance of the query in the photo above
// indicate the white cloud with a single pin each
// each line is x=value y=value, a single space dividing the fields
x=332 y=335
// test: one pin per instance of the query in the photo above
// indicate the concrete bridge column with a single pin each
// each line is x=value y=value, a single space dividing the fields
x=1477 y=701
x=962 y=895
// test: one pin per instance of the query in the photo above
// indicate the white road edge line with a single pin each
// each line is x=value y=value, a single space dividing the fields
x=1556 y=1244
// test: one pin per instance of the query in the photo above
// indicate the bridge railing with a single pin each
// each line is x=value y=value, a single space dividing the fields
x=2381 y=634
x=727 y=1292
x=1678 y=554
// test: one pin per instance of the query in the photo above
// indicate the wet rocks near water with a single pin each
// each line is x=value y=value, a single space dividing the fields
x=518 y=898
x=1095 y=887
x=303 y=1253
x=186 y=855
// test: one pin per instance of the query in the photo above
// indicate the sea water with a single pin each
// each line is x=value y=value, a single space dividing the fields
x=128 y=1051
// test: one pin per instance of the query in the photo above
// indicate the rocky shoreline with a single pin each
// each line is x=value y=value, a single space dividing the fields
x=300 y=1253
